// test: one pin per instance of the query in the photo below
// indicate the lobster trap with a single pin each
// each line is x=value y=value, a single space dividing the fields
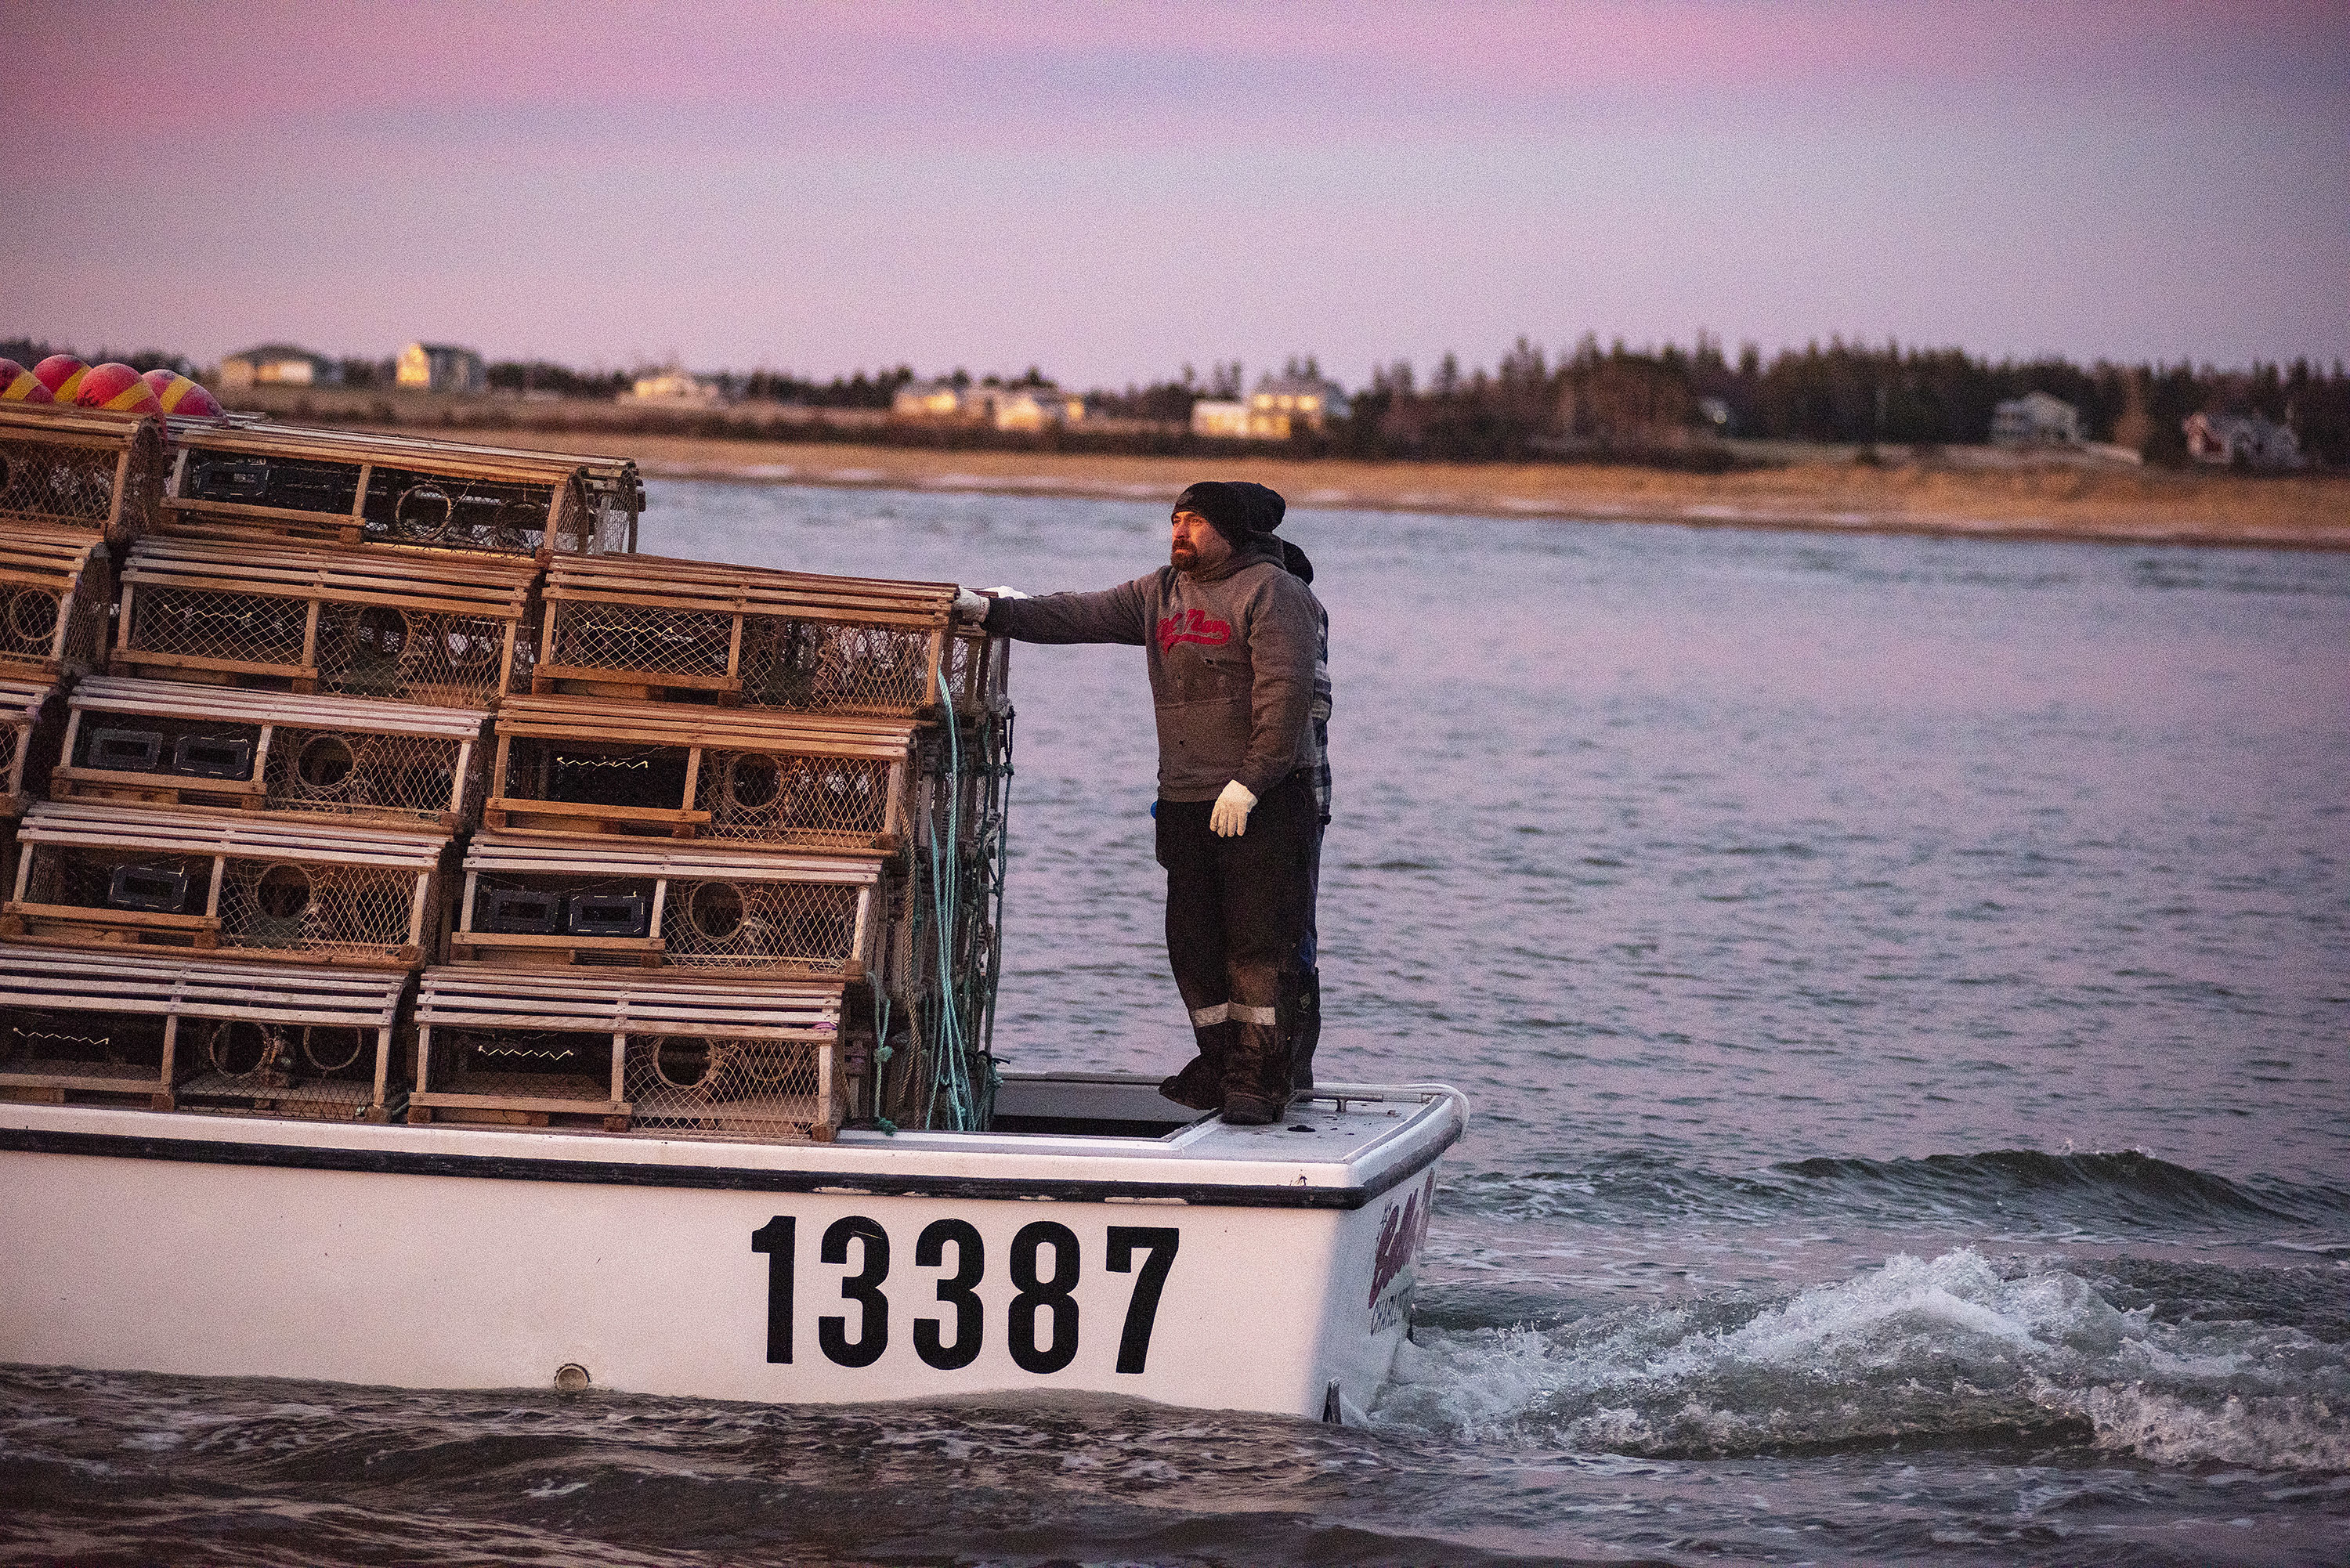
x=751 y=1060
x=813 y=782
x=181 y=1030
x=430 y=628
x=93 y=874
x=279 y=483
x=530 y=901
x=160 y=743
x=84 y=471
x=24 y=705
x=55 y=587
x=698 y=631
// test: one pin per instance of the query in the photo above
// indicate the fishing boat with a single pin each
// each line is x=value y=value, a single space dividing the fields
x=444 y=947
x=1096 y=1238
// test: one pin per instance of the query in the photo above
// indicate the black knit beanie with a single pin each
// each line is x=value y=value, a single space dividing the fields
x=1235 y=508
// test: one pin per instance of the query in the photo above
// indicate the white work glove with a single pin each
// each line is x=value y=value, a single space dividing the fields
x=971 y=604
x=1228 y=818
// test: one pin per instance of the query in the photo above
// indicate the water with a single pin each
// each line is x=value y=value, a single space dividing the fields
x=1903 y=989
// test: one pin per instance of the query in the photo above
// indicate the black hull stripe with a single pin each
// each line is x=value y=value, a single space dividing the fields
x=506 y=1168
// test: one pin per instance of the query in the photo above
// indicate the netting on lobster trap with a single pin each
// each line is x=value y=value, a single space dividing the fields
x=140 y=879
x=321 y=907
x=821 y=802
x=53 y=616
x=416 y=655
x=747 y=1087
x=70 y=469
x=354 y=772
x=721 y=924
x=241 y=628
x=834 y=667
x=400 y=490
x=640 y=641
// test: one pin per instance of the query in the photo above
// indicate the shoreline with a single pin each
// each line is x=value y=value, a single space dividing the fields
x=2057 y=499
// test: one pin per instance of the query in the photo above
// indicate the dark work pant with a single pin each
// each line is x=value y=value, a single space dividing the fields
x=1238 y=909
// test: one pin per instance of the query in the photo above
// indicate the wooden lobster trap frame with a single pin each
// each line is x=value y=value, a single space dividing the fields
x=702 y=631
x=82 y=469
x=748 y=1060
x=674 y=769
x=160 y=743
x=55 y=586
x=92 y=874
x=295 y=1040
x=418 y=628
x=23 y=706
x=532 y=901
x=275 y=482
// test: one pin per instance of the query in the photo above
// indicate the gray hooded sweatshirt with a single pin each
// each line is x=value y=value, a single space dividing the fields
x=1231 y=654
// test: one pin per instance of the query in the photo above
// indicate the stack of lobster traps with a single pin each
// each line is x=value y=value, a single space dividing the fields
x=355 y=776
x=271 y=658
x=712 y=781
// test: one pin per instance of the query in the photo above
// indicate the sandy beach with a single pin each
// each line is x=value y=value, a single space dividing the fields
x=2050 y=499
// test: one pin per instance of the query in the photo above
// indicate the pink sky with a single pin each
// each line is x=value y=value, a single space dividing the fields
x=1111 y=191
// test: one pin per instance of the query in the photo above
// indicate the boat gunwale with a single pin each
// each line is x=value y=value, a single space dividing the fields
x=824 y=1174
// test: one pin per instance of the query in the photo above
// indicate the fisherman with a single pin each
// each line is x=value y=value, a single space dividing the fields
x=1233 y=640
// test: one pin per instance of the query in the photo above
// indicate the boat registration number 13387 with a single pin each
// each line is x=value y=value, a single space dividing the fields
x=1040 y=1322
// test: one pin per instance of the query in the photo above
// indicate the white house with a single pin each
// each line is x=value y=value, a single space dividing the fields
x=2035 y=419
x=279 y=365
x=440 y=368
x=1225 y=417
x=672 y=386
x=927 y=401
x=2241 y=440
x=1024 y=407
x=1282 y=405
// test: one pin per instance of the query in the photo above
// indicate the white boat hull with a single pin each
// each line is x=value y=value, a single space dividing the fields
x=455 y=1257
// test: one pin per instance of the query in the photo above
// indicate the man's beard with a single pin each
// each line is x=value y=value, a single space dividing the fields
x=1183 y=556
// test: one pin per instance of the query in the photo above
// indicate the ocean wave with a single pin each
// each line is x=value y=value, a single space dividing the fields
x=1920 y=1352
x=2065 y=1193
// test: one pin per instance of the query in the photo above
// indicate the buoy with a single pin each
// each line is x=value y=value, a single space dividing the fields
x=116 y=387
x=180 y=395
x=19 y=385
x=60 y=373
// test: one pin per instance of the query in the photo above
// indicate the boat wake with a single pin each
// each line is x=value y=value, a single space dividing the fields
x=2072 y=1194
x=1920 y=1352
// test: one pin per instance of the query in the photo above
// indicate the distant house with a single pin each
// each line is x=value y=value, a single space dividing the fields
x=1715 y=412
x=440 y=368
x=1225 y=417
x=1024 y=407
x=279 y=365
x=1280 y=408
x=672 y=386
x=1284 y=405
x=2241 y=440
x=927 y=401
x=1034 y=408
x=2035 y=419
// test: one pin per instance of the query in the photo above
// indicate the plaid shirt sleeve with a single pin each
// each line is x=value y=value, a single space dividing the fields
x=1317 y=746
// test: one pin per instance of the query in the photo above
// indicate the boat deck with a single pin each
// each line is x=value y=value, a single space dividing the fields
x=1098 y=1138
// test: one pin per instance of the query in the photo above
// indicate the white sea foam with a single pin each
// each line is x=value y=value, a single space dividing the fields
x=1919 y=1348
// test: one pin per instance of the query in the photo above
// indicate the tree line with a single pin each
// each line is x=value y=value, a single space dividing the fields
x=1666 y=405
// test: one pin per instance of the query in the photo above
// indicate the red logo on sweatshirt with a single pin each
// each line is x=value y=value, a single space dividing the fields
x=1193 y=626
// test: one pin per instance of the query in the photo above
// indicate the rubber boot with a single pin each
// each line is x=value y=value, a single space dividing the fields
x=1199 y=1086
x=1304 y=1024
x=1256 y=1077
